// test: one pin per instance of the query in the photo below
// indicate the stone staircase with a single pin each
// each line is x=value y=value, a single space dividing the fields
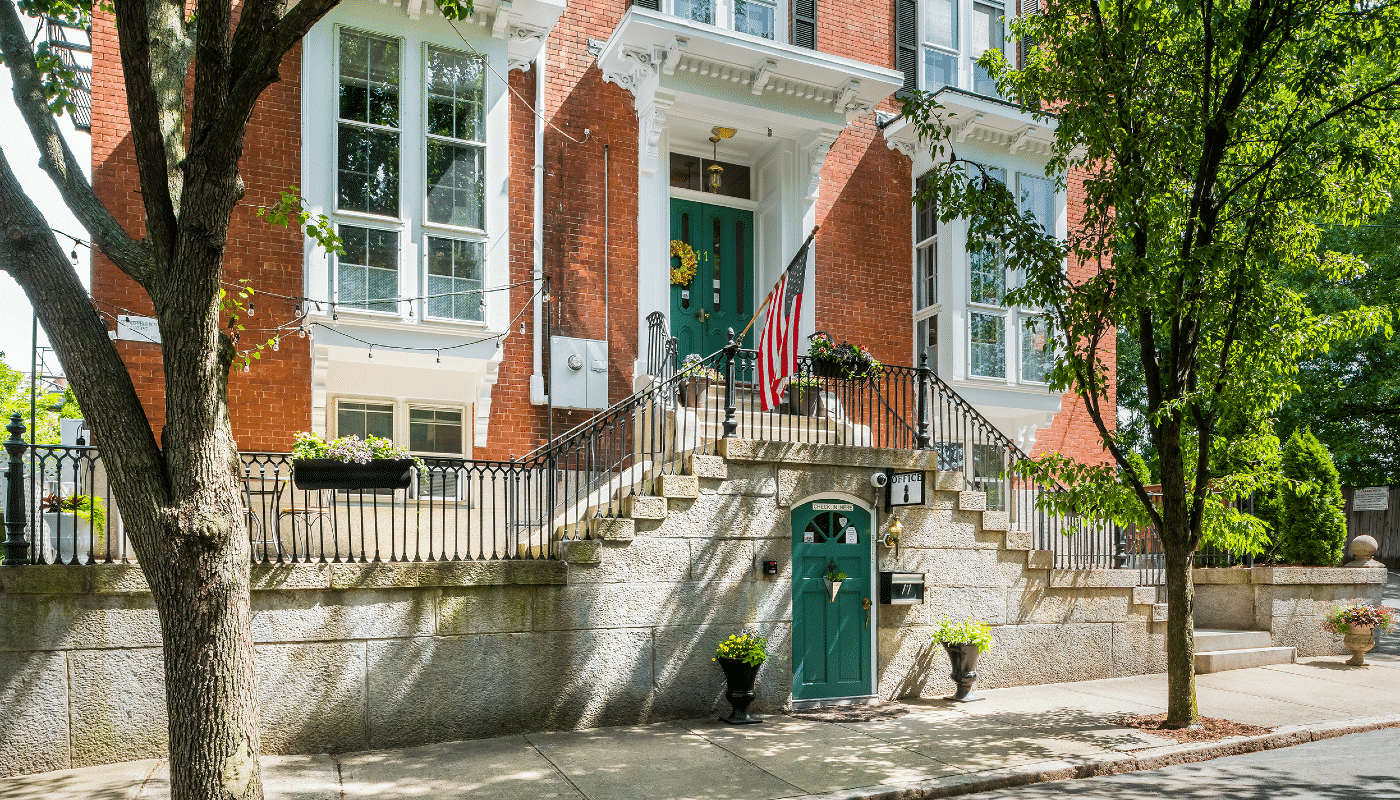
x=1217 y=650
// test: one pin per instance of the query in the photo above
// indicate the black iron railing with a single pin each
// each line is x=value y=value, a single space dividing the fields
x=459 y=509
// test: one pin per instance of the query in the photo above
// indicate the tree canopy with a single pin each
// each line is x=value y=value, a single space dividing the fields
x=1212 y=142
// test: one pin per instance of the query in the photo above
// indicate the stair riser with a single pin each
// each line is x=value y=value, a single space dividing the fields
x=1212 y=642
x=1243 y=659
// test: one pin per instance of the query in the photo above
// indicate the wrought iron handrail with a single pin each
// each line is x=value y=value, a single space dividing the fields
x=461 y=509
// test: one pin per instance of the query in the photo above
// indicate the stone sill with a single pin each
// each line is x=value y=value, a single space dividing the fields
x=128 y=579
x=1289 y=575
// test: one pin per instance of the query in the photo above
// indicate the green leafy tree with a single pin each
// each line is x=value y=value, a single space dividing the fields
x=1210 y=140
x=1313 y=527
x=1349 y=396
x=180 y=498
x=14 y=399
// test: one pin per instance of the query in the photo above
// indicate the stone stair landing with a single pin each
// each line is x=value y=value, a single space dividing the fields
x=1220 y=650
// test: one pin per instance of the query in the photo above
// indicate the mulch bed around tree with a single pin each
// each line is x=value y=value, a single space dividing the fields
x=1210 y=730
x=852 y=713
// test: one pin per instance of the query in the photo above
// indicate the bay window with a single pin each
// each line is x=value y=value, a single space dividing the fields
x=925 y=281
x=442 y=227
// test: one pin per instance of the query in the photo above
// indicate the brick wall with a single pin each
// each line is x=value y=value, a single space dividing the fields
x=269 y=404
x=576 y=98
x=1073 y=432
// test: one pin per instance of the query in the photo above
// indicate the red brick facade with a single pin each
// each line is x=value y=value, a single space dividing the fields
x=863 y=273
x=272 y=401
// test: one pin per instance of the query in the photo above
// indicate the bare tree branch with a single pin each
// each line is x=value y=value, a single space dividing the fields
x=56 y=158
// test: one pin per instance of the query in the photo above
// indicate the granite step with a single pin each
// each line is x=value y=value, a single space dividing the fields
x=1210 y=640
x=1222 y=660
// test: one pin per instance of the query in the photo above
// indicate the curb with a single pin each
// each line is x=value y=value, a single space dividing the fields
x=1154 y=758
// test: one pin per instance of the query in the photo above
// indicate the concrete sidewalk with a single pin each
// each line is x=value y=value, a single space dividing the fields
x=1015 y=736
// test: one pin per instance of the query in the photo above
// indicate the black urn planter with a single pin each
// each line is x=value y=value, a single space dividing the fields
x=739 y=692
x=328 y=473
x=964 y=659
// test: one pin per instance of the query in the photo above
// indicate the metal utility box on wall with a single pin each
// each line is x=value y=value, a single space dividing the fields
x=901 y=588
x=578 y=372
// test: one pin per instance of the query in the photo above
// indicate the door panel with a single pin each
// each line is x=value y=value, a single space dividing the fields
x=720 y=296
x=830 y=639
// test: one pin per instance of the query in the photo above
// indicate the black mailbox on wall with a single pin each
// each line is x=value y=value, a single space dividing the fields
x=901 y=588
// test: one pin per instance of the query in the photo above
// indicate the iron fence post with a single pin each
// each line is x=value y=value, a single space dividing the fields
x=1120 y=547
x=16 y=546
x=731 y=350
x=922 y=437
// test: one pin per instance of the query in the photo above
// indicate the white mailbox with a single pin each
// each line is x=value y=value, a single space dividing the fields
x=578 y=372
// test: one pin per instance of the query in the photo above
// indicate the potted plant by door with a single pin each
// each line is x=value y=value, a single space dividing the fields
x=740 y=656
x=804 y=395
x=1357 y=625
x=695 y=380
x=350 y=463
x=76 y=523
x=964 y=641
x=833 y=578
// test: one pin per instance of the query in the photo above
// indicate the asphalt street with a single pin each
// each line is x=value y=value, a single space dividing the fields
x=1363 y=766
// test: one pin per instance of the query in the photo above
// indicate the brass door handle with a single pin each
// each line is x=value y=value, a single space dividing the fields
x=865 y=604
x=702 y=315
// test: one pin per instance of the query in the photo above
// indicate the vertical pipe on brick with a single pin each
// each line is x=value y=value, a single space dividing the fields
x=537 y=234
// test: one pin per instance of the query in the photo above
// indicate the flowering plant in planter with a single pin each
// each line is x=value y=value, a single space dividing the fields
x=973 y=631
x=348 y=449
x=844 y=360
x=694 y=366
x=749 y=648
x=351 y=463
x=1341 y=619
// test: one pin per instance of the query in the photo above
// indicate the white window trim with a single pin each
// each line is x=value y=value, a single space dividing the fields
x=319 y=177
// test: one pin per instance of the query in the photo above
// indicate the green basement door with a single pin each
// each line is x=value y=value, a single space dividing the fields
x=830 y=638
x=720 y=296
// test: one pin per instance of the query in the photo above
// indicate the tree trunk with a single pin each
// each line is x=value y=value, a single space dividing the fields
x=201 y=591
x=1181 y=646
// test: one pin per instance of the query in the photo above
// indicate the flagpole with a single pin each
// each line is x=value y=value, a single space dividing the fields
x=769 y=296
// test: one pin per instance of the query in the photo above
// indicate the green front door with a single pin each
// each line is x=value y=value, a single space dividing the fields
x=830 y=638
x=720 y=296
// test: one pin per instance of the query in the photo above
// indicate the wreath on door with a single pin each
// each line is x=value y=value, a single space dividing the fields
x=682 y=275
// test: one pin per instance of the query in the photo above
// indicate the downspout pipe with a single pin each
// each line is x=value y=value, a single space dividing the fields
x=537 y=388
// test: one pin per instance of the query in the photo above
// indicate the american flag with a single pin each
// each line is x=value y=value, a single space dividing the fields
x=777 y=344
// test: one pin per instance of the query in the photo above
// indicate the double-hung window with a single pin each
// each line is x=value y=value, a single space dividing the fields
x=952 y=36
x=926 y=305
x=1004 y=342
x=455 y=148
x=437 y=432
x=367 y=172
x=754 y=17
x=446 y=222
x=986 y=297
x=1037 y=196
